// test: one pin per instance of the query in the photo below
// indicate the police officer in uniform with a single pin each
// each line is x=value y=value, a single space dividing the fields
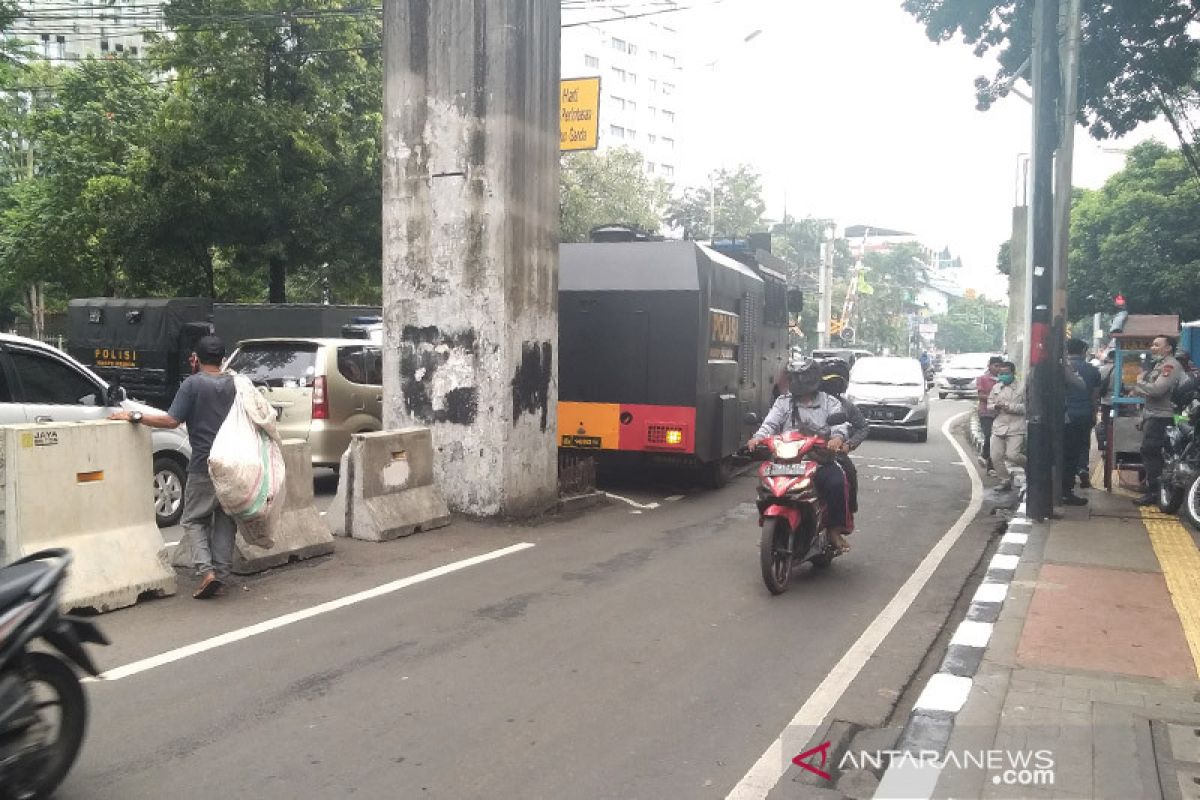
x=1156 y=385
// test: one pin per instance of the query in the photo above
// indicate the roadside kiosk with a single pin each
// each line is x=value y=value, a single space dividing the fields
x=1131 y=344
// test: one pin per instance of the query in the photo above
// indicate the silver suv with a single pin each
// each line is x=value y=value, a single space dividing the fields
x=41 y=384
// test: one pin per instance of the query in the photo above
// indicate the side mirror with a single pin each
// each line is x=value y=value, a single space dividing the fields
x=116 y=395
x=795 y=300
x=750 y=419
x=837 y=419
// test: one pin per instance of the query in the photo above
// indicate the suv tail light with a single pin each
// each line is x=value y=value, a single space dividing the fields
x=320 y=399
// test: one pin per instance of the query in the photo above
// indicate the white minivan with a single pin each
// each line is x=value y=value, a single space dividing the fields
x=41 y=384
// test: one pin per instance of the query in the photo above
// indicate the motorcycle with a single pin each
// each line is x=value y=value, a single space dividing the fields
x=790 y=511
x=1179 y=485
x=43 y=711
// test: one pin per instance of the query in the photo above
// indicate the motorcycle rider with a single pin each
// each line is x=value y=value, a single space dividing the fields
x=1156 y=385
x=807 y=409
x=834 y=381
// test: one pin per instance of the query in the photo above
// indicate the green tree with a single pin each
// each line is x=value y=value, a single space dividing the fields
x=267 y=162
x=731 y=206
x=1138 y=60
x=1137 y=236
x=608 y=188
x=75 y=221
x=892 y=281
x=972 y=325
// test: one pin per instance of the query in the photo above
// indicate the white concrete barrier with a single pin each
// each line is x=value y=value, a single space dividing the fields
x=386 y=488
x=296 y=527
x=88 y=487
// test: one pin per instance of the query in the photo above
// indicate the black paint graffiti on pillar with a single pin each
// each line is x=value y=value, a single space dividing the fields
x=531 y=384
x=422 y=352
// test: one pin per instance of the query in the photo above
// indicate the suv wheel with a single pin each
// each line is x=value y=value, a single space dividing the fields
x=169 y=482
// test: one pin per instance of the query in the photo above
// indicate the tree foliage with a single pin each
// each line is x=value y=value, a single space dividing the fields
x=731 y=206
x=972 y=325
x=1137 y=236
x=608 y=188
x=1138 y=60
x=894 y=278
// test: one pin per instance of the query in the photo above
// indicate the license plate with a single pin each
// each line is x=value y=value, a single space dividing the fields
x=584 y=442
x=885 y=415
x=786 y=469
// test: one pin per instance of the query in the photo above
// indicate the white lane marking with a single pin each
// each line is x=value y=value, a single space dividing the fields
x=944 y=692
x=763 y=776
x=298 y=616
x=991 y=593
x=972 y=634
x=170 y=544
x=673 y=498
x=634 y=503
x=1004 y=562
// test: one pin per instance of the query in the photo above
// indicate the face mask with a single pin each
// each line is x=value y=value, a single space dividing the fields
x=1006 y=378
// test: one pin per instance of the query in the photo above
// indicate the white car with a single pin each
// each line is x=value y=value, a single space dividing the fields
x=958 y=375
x=41 y=384
x=890 y=392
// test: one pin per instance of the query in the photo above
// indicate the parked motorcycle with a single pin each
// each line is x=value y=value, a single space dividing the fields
x=790 y=511
x=1180 y=482
x=43 y=711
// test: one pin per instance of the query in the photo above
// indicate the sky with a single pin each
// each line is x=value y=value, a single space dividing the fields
x=849 y=111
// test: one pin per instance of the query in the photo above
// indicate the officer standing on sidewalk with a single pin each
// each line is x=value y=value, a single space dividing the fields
x=1156 y=385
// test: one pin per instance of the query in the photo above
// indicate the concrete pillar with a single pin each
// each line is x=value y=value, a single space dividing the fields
x=1018 y=305
x=470 y=243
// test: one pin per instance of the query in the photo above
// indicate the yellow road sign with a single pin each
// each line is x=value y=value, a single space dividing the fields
x=579 y=117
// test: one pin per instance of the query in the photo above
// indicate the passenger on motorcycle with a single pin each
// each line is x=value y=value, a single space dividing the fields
x=807 y=409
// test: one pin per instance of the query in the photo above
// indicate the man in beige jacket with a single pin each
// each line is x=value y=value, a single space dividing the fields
x=1007 y=402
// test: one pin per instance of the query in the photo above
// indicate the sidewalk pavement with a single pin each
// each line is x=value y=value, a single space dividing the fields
x=1087 y=686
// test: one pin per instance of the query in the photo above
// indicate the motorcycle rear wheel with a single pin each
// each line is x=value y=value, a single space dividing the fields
x=47 y=672
x=1170 y=497
x=775 y=555
x=1191 y=504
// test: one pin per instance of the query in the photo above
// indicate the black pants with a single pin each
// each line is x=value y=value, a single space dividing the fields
x=985 y=424
x=1076 y=438
x=1154 y=436
x=851 y=479
x=831 y=486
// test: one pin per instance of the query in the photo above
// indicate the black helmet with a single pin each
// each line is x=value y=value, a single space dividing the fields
x=804 y=376
x=835 y=376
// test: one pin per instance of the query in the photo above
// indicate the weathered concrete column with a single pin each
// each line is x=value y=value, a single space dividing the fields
x=470 y=243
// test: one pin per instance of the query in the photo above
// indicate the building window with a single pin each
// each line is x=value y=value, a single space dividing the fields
x=653 y=84
x=669 y=59
x=651 y=138
x=668 y=89
x=60 y=48
x=591 y=62
x=654 y=55
x=618 y=44
x=616 y=131
x=630 y=134
x=630 y=105
x=631 y=78
x=669 y=116
x=651 y=167
x=619 y=102
x=669 y=142
x=668 y=170
x=653 y=111
x=120 y=48
x=631 y=49
x=104 y=45
x=619 y=73
x=134 y=50
x=668 y=29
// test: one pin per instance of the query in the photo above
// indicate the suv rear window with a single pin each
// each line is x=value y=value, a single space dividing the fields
x=361 y=365
x=277 y=363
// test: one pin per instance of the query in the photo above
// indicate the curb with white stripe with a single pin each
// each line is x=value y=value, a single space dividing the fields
x=931 y=720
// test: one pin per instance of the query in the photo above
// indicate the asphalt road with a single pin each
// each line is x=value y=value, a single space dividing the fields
x=629 y=652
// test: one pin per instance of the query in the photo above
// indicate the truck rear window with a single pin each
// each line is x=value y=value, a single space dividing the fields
x=277 y=363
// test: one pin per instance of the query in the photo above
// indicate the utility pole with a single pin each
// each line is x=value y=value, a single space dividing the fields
x=826 y=286
x=1044 y=367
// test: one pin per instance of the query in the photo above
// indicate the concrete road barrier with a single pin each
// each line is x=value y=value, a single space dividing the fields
x=296 y=527
x=85 y=486
x=386 y=487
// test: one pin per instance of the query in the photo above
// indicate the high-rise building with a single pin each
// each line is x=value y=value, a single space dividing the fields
x=638 y=60
x=71 y=30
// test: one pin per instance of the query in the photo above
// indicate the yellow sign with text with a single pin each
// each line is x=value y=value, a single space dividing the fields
x=579 y=115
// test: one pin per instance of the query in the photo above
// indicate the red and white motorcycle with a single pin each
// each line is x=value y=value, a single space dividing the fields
x=790 y=511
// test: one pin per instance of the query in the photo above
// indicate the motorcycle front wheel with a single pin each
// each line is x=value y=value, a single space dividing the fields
x=1191 y=504
x=775 y=554
x=62 y=711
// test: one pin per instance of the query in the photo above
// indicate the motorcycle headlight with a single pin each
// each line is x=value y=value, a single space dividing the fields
x=787 y=450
